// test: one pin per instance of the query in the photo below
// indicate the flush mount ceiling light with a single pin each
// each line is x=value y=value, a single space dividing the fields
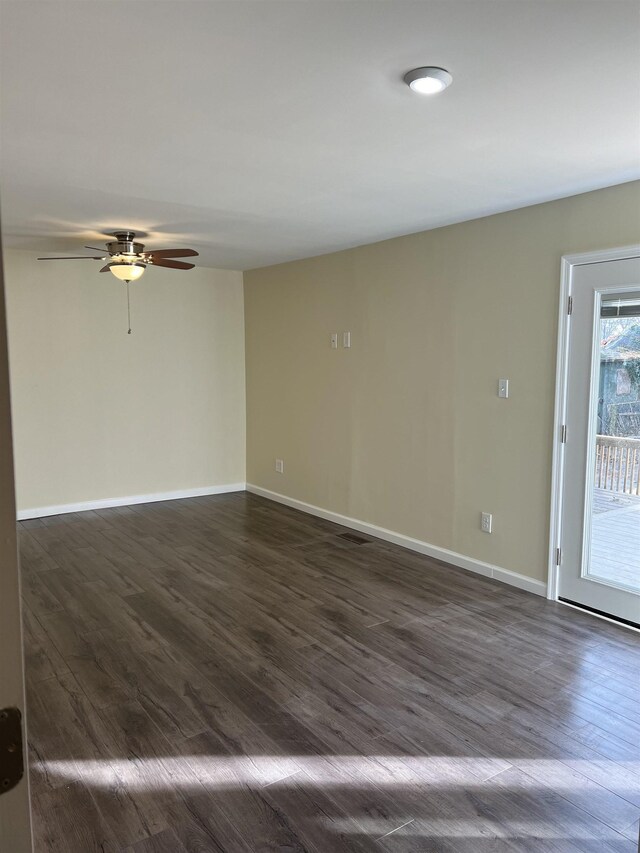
x=428 y=80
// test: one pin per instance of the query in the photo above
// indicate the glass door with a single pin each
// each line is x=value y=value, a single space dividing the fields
x=600 y=525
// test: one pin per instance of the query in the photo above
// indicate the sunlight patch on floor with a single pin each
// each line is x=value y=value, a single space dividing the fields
x=383 y=771
x=468 y=828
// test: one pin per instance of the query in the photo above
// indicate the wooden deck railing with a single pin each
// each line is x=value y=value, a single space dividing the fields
x=618 y=464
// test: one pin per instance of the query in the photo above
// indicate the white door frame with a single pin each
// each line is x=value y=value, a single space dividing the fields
x=567 y=266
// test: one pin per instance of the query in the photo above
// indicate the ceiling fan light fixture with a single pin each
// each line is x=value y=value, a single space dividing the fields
x=127 y=271
x=428 y=80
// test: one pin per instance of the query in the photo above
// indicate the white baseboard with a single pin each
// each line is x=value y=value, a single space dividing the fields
x=468 y=563
x=40 y=512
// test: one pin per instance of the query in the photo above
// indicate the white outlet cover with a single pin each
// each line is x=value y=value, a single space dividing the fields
x=279 y=466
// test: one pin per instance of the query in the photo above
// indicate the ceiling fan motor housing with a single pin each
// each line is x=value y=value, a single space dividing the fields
x=124 y=244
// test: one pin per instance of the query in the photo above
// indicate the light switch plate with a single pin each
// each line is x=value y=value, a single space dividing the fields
x=503 y=388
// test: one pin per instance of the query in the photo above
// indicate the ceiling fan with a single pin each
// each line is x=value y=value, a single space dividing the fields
x=128 y=260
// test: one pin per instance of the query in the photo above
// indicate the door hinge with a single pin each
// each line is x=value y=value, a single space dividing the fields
x=11 y=764
x=558 y=556
x=563 y=433
x=570 y=305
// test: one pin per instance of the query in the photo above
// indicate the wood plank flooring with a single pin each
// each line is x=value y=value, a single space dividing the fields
x=227 y=674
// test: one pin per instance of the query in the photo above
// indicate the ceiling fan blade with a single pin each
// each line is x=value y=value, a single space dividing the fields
x=94 y=248
x=175 y=265
x=172 y=253
x=74 y=258
x=106 y=269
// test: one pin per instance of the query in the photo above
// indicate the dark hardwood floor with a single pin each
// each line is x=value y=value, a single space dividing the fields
x=226 y=674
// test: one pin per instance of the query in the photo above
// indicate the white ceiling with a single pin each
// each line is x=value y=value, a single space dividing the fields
x=258 y=132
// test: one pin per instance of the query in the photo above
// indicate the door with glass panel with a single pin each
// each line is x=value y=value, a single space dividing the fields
x=599 y=539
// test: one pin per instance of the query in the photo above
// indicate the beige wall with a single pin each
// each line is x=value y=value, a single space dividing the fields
x=405 y=430
x=15 y=829
x=101 y=414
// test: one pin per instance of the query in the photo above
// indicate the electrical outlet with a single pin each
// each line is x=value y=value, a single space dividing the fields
x=486 y=522
x=334 y=340
x=279 y=466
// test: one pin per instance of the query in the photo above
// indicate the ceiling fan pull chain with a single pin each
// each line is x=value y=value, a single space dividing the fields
x=128 y=309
